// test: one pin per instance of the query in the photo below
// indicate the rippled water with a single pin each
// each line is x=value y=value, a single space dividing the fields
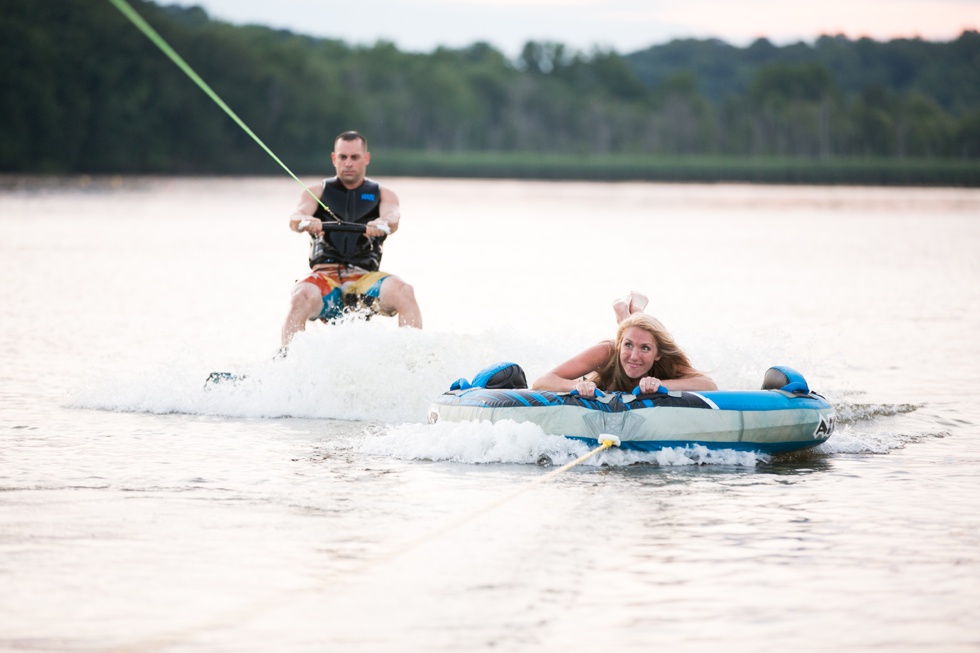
x=310 y=508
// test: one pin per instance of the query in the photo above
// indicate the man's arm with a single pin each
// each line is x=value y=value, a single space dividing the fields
x=304 y=211
x=390 y=216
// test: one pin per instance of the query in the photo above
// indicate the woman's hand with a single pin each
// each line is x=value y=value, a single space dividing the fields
x=585 y=388
x=649 y=385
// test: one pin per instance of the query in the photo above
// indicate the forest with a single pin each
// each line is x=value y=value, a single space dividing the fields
x=85 y=92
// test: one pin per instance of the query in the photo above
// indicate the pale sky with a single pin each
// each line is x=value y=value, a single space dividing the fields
x=622 y=25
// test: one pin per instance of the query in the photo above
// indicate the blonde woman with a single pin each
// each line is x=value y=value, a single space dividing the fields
x=643 y=354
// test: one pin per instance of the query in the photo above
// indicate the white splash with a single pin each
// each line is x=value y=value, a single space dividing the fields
x=520 y=443
x=376 y=373
x=359 y=371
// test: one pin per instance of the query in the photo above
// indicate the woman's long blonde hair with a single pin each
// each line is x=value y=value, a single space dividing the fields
x=673 y=362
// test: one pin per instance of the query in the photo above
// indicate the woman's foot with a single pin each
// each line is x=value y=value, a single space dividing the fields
x=621 y=307
x=638 y=301
x=632 y=303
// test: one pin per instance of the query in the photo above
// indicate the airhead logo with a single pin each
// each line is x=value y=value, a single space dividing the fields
x=826 y=427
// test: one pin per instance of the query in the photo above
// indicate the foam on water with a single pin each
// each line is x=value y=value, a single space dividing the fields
x=520 y=443
x=848 y=412
x=358 y=371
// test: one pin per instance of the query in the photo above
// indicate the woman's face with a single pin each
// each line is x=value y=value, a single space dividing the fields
x=638 y=352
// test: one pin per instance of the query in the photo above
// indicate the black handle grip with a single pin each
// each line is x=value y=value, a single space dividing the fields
x=344 y=226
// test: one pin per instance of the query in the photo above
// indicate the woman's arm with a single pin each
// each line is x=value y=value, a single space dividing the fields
x=690 y=380
x=570 y=375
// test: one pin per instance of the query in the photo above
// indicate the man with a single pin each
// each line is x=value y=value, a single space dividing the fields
x=345 y=266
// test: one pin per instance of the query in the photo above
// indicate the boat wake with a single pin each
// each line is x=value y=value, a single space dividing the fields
x=876 y=428
x=385 y=378
x=848 y=413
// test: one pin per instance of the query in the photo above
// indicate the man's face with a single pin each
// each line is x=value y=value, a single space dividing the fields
x=351 y=161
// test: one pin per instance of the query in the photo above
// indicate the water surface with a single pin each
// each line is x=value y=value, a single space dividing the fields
x=310 y=507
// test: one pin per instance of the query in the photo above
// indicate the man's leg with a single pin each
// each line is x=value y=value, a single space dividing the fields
x=305 y=303
x=396 y=295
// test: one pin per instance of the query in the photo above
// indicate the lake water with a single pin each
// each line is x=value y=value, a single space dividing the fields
x=310 y=508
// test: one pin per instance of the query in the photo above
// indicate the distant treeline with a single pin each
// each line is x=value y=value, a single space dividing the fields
x=83 y=91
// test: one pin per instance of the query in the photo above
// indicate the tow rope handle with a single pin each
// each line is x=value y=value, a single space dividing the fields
x=350 y=227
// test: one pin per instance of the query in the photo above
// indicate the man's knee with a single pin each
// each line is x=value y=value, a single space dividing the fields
x=305 y=299
x=396 y=293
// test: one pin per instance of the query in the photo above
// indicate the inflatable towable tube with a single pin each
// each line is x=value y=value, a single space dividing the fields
x=784 y=416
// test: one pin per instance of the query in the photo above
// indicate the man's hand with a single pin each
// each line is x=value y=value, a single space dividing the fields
x=310 y=225
x=377 y=227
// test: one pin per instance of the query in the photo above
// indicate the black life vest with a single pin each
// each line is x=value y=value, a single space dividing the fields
x=360 y=205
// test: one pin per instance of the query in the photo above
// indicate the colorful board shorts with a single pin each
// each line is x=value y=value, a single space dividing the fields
x=346 y=288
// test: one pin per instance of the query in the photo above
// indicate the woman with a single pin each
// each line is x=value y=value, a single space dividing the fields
x=644 y=354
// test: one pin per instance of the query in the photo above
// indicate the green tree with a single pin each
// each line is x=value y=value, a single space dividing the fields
x=967 y=136
x=792 y=110
x=875 y=122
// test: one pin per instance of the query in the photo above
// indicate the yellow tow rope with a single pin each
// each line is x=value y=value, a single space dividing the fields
x=607 y=442
x=167 y=640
